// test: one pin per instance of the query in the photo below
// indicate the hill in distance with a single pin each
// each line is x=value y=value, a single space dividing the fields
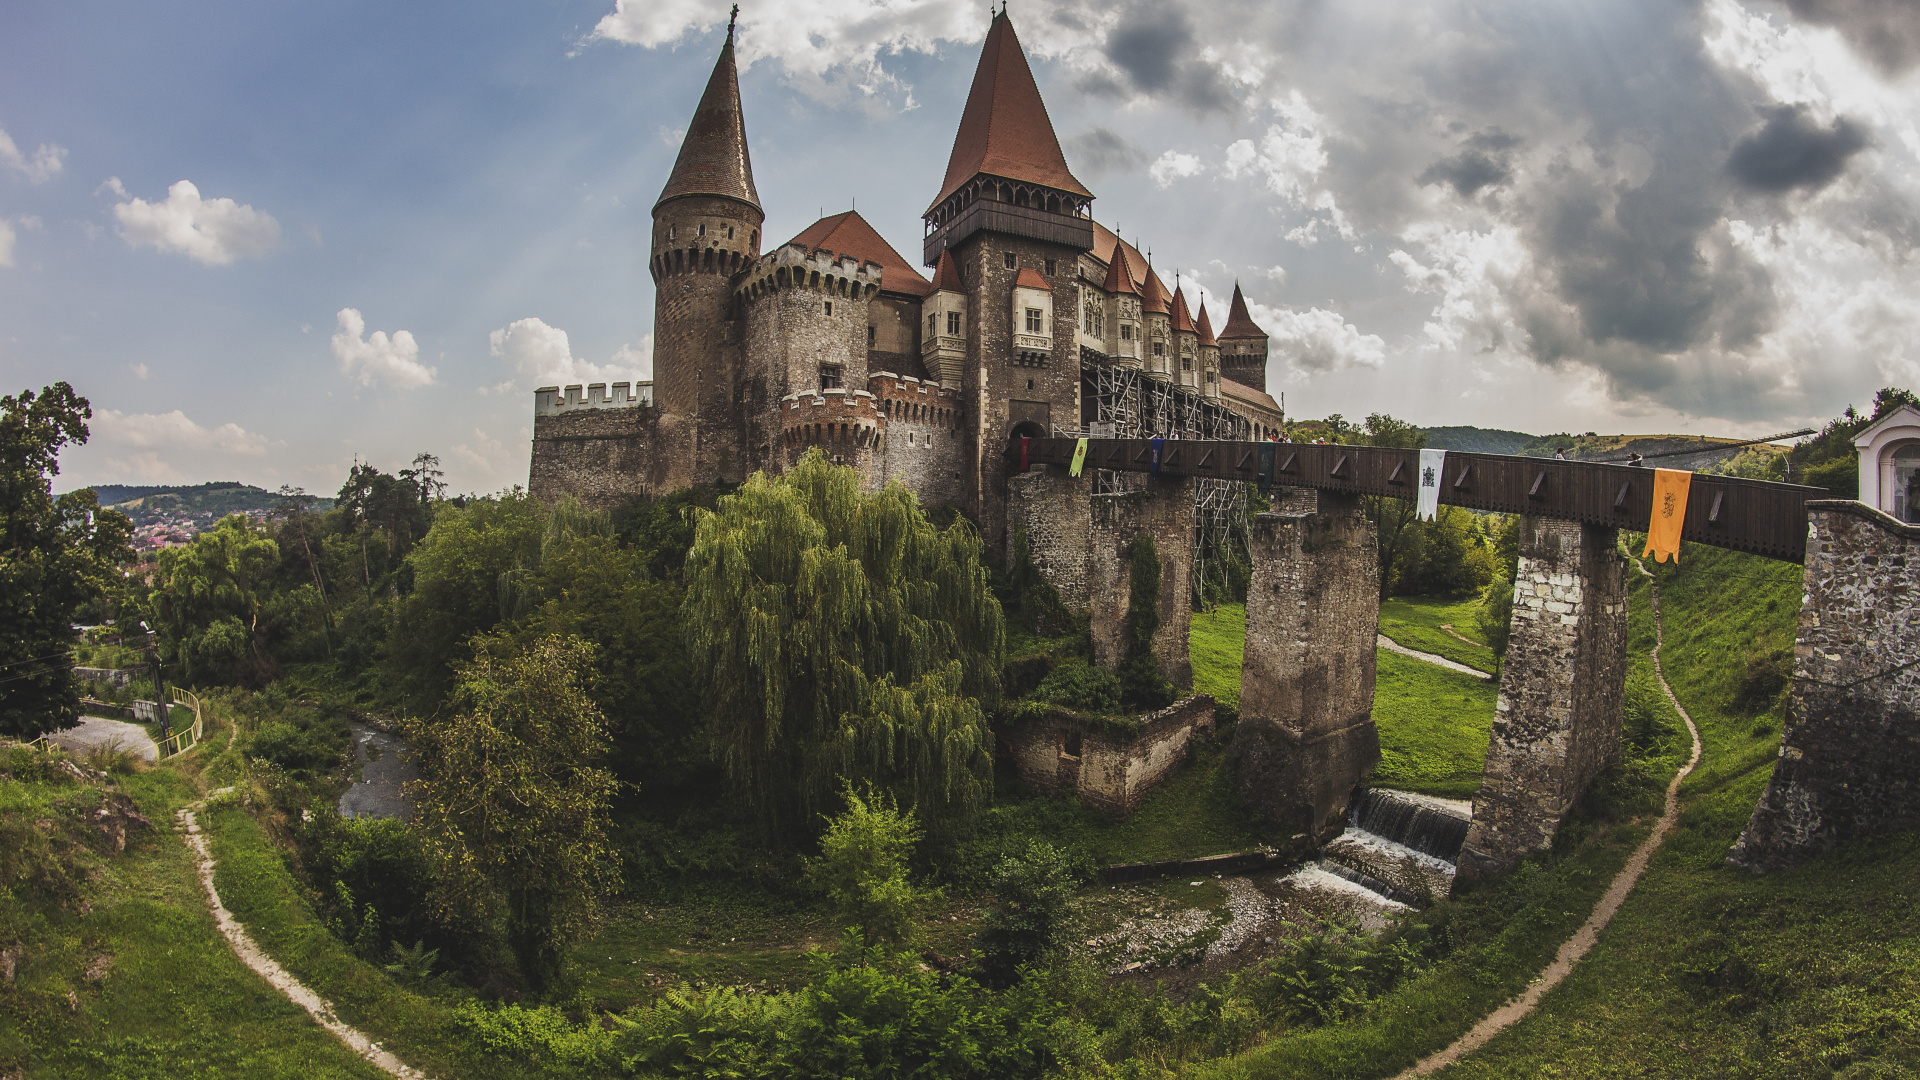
x=1709 y=451
x=214 y=500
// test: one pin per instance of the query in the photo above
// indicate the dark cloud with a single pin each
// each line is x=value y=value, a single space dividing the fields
x=1153 y=45
x=1791 y=151
x=1467 y=172
x=1100 y=151
x=1886 y=32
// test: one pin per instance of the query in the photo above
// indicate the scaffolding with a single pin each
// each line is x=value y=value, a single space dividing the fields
x=1130 y=404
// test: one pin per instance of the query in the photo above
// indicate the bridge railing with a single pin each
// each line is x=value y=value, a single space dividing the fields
x=1722 y=511
x=190 y=735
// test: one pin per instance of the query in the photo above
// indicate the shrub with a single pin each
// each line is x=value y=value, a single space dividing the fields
x=1495 y=615
x=299 y=747
x=1033 y=887
x=1080 y=685
x=863 y=867
x=374 y=875
x=1142 y=687
x=1766 y=673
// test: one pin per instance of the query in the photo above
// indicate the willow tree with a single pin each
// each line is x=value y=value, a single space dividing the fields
x=837 y=635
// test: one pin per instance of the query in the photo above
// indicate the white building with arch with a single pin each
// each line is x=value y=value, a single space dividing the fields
x=1890 y=464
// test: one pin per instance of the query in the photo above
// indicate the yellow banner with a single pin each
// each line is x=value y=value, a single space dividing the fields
x=1079 y=458
x=1670 y=487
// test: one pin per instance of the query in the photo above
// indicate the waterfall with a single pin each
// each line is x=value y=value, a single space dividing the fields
x=1436 y=827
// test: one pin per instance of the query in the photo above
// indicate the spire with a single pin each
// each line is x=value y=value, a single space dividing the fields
x=1182 y=318
x=1207 y=340
x=1239 y=323
x=1154 y=299
x=1119 y=275
x=1004 y=130
x=713 y=155
x=946 y=275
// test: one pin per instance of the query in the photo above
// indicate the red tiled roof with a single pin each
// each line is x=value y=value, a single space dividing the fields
x=1104 y=245
x=713 y=155
x=1206 y=328
x=1031 y=279
x=1154 y=299
x=1119 y=278
x=946 y=274
x=1248 y=393
x=1182 y=318
x=849 y=234
x=1004 y=130
x=1239 y=324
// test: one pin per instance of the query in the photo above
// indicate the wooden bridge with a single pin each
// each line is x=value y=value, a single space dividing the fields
x=1756 y=516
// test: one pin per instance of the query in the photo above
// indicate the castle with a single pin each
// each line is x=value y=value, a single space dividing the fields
x=1037 y=321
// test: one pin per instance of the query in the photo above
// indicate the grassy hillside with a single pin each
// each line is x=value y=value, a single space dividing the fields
x=148 y=504
x=1475 y=440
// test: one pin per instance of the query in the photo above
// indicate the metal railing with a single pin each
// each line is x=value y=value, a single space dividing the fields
x=190 y=736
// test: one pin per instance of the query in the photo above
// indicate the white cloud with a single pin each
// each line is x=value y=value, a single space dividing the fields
x=542 y=354
x=7 y=238
x=212 y=231
x=45 y=164
x=1317 y=341
x=174 y=431
x=139 y=370
x=394 y=360
x=1172 y=166
x=485 y=454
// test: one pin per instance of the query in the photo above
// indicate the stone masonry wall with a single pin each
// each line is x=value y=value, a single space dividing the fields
x=1054 y=510
x=921 y=448
x=1306 y=739
x=1110 y=773
x=1850 y=759
x=1164 y=510
x=1556 y=722
x=603 y=456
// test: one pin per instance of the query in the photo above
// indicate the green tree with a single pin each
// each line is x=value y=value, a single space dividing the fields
x=512 y=801
x=863 y=867
x=1032 y=889
x=1394 y=520
x=838 y=635
x=1142 y=687
x=1829 y=459
x=214 y=604
x=55 y=555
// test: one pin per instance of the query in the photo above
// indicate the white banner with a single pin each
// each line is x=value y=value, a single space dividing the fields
x=1433 y=470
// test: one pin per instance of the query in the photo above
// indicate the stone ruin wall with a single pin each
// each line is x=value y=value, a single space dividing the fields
x=1556 y=722
x=1163 y=510
x=1111 y=773
x=1849 y=761
x=1055 y=511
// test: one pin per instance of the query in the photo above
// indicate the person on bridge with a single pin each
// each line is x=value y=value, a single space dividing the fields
x=1634 y=461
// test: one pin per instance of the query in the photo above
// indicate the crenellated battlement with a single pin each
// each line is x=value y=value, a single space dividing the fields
x=912 y=400
x=833 y=417
x=552 y=401
x=793 y=266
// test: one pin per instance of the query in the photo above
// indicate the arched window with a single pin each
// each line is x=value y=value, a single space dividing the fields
x=1906 y=482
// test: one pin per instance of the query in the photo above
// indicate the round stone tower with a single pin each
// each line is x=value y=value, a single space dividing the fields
x=706 y=227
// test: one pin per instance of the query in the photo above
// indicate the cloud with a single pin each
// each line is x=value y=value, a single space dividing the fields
x=485 y=454
x=212 y=231
x=1152 y=44
x=1316 y=341
x=1102 y=151
x=1791 y=151
x=394 y=360
x=1467 y=172
x=1172 y=166
x=173 y=431
x=1886 y=32
x=45 y=164
x=542 y=354
x=7 y=239
x=139 y=371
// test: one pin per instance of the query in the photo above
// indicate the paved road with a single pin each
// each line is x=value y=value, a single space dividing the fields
x=95 y=731
x=384 y=767
x=1391 y=645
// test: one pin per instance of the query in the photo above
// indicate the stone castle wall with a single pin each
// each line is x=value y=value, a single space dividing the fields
x=1164 y=511
x=921 y=448
x=1850 y=758
x=1556 y=722
x=604 y=456
x=1111 y=773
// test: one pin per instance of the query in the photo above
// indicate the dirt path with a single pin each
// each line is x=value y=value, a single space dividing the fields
x=1576 y=947
x=98 y=731
x=1393 y=646
x=254 y=957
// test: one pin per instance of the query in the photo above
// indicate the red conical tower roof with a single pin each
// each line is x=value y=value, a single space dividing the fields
x=713 y=155
x=1239 y=323
x=1206 y=328
x=849 y=234
x=1182 y=318
x=1154 y=299
x=946 y=274
x=1004 y=130
x=1119 y=278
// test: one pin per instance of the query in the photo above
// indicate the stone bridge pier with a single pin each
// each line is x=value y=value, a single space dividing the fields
x=1557 y=720
x=1306 y=740
x=1163 y=510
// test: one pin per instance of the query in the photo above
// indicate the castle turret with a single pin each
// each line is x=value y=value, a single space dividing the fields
x=1156 y=312
x=1015 y=221
x=943 y=346
x=706 y=227
x=1209 y=355
x=1243 y=346
x=1186 y=342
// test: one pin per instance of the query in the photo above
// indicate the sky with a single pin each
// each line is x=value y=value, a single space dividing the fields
x=267 y=239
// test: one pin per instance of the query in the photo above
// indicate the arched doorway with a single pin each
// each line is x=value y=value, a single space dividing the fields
x=1903 y=482
x=1028 y=429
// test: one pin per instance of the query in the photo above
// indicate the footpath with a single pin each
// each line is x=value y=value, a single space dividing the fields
x=1581 y=943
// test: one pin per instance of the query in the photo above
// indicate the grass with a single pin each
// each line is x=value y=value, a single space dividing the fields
x=173 y=1001
x=1416 y=622
x=1216 y=643
x=1433 y=724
